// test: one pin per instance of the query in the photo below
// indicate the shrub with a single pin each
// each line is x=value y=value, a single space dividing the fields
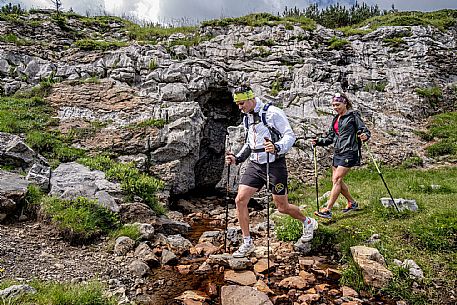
x=413 y=162
x=91 y=44
x=130 y=230
x=80 y=219
x=152 y=64
x=133 y=182
x=159 y=123
x=336 y=43
x=288 y=228
x=239 y=45
x=442 y=148
x=375 y=86
x=394 y=42
x=430 y=92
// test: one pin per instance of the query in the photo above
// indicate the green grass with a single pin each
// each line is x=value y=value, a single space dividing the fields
x=159 y=123
x=49 y=293
x=443 y=127
x=80 y=219
x=130 y=230
x=132 y=181
x=375 y=86
x=442 y=19
x=428 y=236
x=336 y=43
x=262 y=19
x=33 y=117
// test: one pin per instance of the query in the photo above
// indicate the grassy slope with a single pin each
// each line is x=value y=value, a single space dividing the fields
x=428 y=236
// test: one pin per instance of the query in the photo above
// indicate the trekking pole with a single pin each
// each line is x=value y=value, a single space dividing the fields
x=227 y=198
x=268 y=215
x=380 y=174
x=315 y=176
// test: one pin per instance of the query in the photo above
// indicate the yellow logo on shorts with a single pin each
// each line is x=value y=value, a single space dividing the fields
x=279 y=187
x=347 y=160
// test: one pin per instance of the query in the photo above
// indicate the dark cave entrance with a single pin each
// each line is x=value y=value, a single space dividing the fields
x=220 y=112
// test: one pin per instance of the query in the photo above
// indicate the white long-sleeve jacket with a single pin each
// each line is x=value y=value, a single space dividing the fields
x=257 y=131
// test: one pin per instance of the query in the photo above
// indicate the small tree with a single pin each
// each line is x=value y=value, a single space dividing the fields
x=57 y=4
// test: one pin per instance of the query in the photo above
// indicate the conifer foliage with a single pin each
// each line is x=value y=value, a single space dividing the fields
x=337 y=15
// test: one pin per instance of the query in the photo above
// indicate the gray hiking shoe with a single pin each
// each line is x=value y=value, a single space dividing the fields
x=308 y=230
x=351 y=207
x=244 y=250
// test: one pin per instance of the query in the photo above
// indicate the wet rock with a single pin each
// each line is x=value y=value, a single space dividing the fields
x=308 y=277
x=262 y=265
x=192 y=297
x=295 y=282
x=236 y=295
x=246 y=278
x=205 y=249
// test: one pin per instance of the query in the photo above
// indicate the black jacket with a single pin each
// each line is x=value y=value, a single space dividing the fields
x=349 y=125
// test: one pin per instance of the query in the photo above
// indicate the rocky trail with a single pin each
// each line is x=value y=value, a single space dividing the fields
x=202 y=275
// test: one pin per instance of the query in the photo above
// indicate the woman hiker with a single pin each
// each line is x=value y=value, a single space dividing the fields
x=346 y=132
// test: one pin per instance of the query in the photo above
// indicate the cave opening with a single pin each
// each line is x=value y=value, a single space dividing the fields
x=220 y=112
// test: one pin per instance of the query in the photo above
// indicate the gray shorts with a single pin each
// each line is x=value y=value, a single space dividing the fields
x=347 y=159
x=255 y=176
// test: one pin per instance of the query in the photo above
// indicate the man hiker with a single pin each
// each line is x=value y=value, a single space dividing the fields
x=268 y=131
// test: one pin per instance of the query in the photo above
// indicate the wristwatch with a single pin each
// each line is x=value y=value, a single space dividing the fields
x=277 y=148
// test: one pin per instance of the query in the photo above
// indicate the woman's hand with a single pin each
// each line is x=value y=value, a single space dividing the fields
x=363 y=137
x=230 y=159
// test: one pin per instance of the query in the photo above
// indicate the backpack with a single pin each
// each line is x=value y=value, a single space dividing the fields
x=275 y=134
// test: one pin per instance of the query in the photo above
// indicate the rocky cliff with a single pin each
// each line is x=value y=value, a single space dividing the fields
x=189 y=87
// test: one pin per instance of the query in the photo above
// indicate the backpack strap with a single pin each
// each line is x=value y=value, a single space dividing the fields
x=275 y=134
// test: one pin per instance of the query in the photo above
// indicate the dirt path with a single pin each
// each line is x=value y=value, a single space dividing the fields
x=33 y=250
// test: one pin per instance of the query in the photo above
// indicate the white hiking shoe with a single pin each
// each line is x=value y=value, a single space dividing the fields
x=308 y=230
x=244 y=250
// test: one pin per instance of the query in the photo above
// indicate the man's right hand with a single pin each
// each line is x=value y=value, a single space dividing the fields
x=313 y=141
x=230 y=159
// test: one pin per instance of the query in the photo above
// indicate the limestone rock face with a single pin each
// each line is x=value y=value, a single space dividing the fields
x=189 y=88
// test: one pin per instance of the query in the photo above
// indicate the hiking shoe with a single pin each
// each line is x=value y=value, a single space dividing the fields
x=327 y=214
x=244 y=250
x=308 y=229
x=351 y=207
